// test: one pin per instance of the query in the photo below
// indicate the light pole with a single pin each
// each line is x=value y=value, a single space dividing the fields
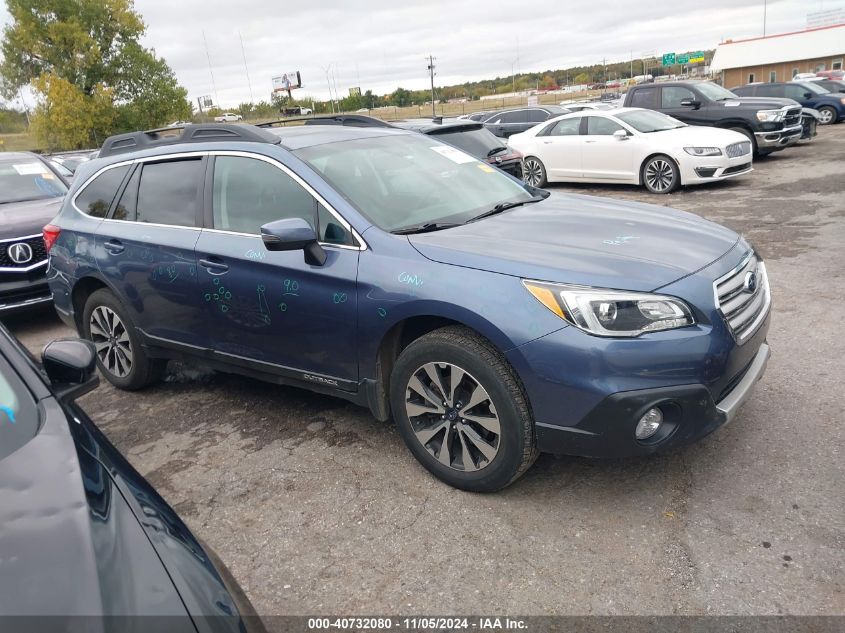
x=431 y=74
x=326 y=70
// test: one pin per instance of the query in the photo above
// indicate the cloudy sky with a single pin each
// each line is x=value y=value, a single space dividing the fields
x=382 y=44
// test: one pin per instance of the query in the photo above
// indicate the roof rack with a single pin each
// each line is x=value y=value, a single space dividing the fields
x=162 y=137
x=356 y=120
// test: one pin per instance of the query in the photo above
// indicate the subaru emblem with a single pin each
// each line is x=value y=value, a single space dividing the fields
x=19 y=253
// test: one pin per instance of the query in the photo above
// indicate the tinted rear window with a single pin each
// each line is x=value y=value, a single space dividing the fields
x=97 y=196
x=644 y=98
x=18 y=412
x=168 y=192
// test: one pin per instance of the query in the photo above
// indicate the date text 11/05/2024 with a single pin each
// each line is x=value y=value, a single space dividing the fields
x=416 y=624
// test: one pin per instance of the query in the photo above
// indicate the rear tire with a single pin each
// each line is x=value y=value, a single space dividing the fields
x=660 y=174
x=485 y=426
x=120 y=356
x=534 y=172
x=827 y=115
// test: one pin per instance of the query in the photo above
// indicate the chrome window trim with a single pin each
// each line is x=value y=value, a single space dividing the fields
x=7 y=269
x=258 y=235
x=239 y=153
x=20 y=239
x=285 y=169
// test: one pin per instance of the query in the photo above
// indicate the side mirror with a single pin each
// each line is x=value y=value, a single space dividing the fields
x=71 y=366
x=808 y=95
x=293 y=234
x=620 y=135
x=691 y=103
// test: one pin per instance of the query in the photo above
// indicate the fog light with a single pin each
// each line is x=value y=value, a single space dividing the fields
x=649 y=423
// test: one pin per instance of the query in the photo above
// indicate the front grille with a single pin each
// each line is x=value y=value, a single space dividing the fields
x=743 y=297
x=39 y=252
x=735 y=150
x=736 y=169
x=792 y=117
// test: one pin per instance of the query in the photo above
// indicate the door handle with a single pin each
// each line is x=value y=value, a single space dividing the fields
x=589 y=141
x=114 y=247
x=214 y=266
x=547 y=142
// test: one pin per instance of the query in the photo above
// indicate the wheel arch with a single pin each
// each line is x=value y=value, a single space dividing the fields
x=407 y=329
x=651 y=155
x=82 y=289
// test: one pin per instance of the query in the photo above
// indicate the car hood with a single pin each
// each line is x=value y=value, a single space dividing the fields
x=65 y=547
x=27 y=218
x=584 y=240
x=761 y=103
x=699 y=135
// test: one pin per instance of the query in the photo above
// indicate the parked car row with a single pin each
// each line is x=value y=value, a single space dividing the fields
x=672 y=134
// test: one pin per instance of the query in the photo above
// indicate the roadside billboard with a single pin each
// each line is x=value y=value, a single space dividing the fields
x=287 y=81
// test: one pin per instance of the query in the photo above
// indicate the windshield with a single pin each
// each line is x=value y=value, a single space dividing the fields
x=28 y=179
x=479 y=143
x=817 y=89
x=649 y=121
x=714 y=92
x=402 y=181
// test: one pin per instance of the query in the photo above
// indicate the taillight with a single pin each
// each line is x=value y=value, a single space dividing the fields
x=51 y=234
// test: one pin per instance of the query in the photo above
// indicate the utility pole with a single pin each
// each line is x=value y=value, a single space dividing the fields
x=328 y=83
x=431 y=75
x=248 y=80
x=764 y=17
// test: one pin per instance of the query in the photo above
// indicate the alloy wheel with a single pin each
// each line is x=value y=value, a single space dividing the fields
x=453 y=416
x=110 y=338
x=825 y=116
x=533 y=172
x=659 y=175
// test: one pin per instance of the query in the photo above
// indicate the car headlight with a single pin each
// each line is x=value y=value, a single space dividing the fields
x=703 y=151
x=769 y=116
x=611 y=312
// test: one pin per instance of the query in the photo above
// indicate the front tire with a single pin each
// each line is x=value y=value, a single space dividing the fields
x=534 y=172
x=661 y=175
x=120 y=357
x=462 y=411
x=827 y=115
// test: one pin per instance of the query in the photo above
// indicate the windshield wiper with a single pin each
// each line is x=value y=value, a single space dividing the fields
x=504 y=206
x=428 y=227
x=496 y=150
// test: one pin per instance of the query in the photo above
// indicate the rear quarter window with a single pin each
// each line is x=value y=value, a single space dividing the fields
x=97 y=195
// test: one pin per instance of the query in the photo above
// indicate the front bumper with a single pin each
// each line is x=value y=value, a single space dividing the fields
x=689 y=412
x=779 y=138
x=20 y=292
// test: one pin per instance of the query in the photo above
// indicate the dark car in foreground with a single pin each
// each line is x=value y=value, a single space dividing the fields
x=771 y=124
x=31 y=193
x=83 y=533
x=810 y=94
x=488 y=318
x=471 y=137
x=505 y=123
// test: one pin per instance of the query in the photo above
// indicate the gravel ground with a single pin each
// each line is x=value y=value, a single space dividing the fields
x=317 y=508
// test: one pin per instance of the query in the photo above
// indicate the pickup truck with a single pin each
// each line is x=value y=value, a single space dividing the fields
x=228 y=117
x=296 y=111
x=770 y=124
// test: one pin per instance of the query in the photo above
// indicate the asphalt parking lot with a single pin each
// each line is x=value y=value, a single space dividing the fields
x=318 y=509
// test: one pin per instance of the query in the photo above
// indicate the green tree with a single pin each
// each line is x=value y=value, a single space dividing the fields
x=400 y=98
x=88 y=51
x=581 y=79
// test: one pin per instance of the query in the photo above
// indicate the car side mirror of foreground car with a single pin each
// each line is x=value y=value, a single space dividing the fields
x=691 y=103
x=293 y=234
x=71 y=366
x=620 y=135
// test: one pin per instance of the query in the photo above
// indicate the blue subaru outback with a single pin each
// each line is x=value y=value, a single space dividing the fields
x=490 y=320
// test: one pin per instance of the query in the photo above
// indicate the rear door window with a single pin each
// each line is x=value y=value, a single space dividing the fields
x=96 y=198
x=644 y=98
x=566 y=127
x=168 y=192
x=19 y=419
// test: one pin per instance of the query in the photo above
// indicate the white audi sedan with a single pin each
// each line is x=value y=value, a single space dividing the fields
x=630 y=146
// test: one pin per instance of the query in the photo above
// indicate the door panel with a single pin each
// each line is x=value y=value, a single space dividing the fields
x=603 y=156
x=274 y=308
x=152 y=265
x=271 y=306
x=560 y=150
x=670 y=103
